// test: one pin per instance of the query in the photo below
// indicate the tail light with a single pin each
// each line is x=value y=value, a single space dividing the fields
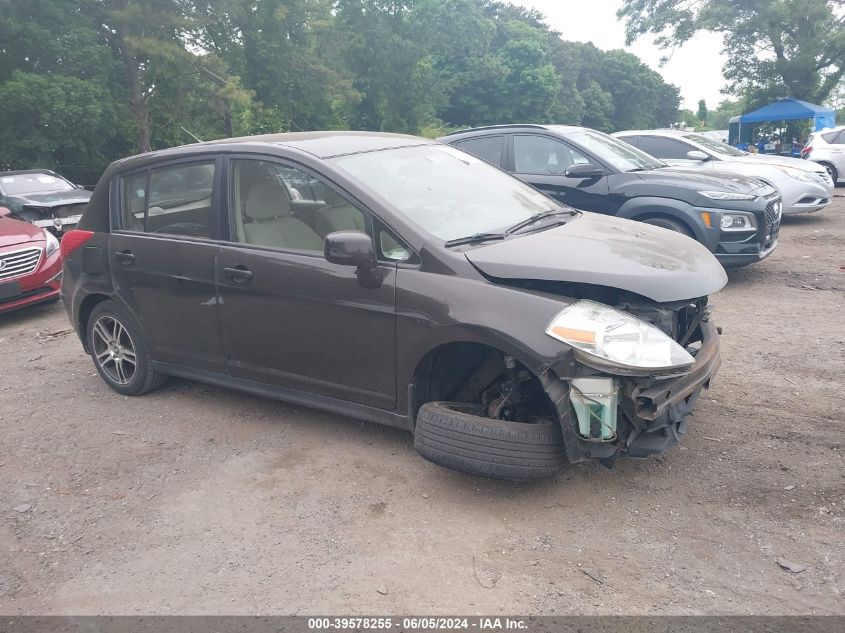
x=806 y=150
x=73 y=240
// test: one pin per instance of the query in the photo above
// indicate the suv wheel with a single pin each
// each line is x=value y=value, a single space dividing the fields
x=119 y=351
x=451 y=435
x=668 y=223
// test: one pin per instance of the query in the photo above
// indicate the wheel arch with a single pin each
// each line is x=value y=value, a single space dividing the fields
x=459 y=367
x=640 y=209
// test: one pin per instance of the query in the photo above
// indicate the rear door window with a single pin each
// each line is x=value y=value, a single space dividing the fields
x=487 y=148
x=665 y=148
x=172 y=200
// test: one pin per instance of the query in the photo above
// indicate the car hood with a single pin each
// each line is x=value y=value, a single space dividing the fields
x=55 y=198
x=782 y=161
x=696 y=180
x=719 y=180
x=17 y=232
x=607 y=251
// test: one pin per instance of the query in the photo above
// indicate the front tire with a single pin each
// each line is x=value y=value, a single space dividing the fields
x=450 y=435
x=668 y=223
x=119 y=350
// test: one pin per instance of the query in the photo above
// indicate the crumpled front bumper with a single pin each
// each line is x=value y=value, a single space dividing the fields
x=654 y=411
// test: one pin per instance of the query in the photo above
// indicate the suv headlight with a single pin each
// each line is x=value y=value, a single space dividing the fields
x=617 y=337
x=737 y=222
x=727 y=195
x=52 y=242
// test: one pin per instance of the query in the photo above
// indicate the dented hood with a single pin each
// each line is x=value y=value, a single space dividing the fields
x=607 y=251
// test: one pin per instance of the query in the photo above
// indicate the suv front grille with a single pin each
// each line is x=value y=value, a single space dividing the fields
x=19 y=263
x=774 y=211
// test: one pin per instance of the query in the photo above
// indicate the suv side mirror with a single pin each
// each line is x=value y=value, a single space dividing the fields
x=584 y=170
x=695 y=154
x=354 y=248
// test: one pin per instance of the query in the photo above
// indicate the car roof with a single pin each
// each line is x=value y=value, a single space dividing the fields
x=325 y=144
x=471 y=131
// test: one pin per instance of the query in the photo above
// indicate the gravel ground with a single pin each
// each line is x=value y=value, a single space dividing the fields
x=200 y=500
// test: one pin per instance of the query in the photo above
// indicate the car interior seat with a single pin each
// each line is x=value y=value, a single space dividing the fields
x=268 y=220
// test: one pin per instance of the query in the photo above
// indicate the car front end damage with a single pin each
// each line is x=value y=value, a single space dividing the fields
x=652 y=410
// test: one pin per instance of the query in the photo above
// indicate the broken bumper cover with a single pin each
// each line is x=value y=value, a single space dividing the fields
x=655 y=410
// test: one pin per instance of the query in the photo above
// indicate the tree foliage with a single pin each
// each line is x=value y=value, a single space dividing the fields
x=83 y=82
x=774 y=48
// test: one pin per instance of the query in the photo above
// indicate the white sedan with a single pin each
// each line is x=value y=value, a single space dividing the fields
x=804 y=186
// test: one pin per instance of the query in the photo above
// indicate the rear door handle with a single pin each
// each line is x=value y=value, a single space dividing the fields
x=124 y=257
x=239 y=274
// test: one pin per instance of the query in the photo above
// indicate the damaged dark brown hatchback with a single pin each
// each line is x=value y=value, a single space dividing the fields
x=400 y=281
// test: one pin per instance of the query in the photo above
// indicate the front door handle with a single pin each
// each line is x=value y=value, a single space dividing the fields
x=124 y=257
x=239 y=274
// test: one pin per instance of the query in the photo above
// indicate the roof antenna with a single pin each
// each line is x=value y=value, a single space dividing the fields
x=197 y=139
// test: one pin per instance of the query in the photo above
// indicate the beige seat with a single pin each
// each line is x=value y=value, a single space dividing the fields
x=268 y=208
x=339 y=215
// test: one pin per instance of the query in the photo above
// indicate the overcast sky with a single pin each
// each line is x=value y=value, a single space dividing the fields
x=696 y=68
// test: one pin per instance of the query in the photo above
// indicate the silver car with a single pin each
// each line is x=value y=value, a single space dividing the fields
x=804 y=186
x=827 y=148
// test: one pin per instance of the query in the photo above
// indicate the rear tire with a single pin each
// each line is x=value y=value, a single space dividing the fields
x=449 y=435
x=668 y=223
x=119 y=350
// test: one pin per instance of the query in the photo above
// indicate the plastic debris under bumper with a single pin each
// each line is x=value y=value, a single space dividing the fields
x=660 y=412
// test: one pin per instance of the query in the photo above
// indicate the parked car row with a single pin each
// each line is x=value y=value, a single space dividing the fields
x=736 y=217
x=419 y=284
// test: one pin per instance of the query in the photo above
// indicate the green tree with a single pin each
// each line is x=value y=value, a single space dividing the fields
x=775 y=48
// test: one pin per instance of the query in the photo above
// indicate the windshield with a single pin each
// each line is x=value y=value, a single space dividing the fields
x=26 y=184
x=448 y=193
x=618 y=154
x=713 y=145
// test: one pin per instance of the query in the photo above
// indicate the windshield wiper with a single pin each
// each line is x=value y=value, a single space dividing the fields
x=475 y=238
x=537 y=217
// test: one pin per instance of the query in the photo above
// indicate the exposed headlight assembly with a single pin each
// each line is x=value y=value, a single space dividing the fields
x=727 y=195
x=617 y=338
x=52 y=242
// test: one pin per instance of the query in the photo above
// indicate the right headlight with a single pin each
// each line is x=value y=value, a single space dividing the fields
x=617 y=337
x=733 y=221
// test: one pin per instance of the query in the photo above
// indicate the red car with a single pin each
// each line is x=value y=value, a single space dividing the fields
x=30 y=264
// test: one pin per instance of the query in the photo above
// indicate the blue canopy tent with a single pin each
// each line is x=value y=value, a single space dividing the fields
x=783 y=110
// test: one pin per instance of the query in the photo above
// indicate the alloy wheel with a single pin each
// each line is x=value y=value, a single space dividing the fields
x=114 y=350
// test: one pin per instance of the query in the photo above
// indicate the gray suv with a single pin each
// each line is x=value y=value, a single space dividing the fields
x=736 y=217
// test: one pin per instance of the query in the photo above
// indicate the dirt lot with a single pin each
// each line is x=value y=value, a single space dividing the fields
x=196 y=499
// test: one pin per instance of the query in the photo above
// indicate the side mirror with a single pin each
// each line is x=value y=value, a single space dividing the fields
x=4 y=211
x=695 y=154
x=584 y=170
x=354 y=248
